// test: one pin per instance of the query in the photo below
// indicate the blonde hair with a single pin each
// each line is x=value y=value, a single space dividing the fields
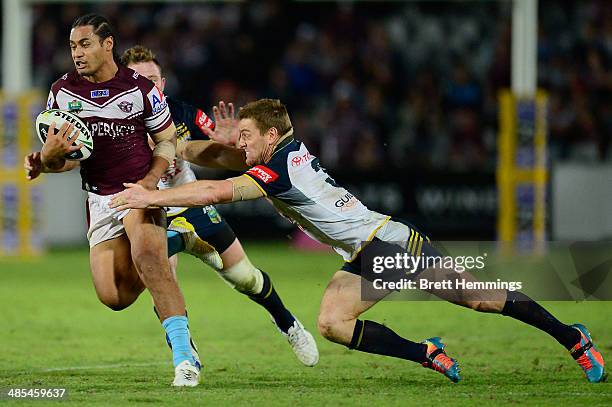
x=137 y=54
x=267 y=113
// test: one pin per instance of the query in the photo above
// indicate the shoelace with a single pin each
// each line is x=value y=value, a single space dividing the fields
x=442 y=363
x=188 y=375
x=297 y=338
x=584 y=362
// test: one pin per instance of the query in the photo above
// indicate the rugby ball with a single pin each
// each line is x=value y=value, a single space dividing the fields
x=46 y=117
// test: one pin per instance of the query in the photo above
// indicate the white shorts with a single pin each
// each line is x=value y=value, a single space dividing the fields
x=104 y=222
x=394 y=231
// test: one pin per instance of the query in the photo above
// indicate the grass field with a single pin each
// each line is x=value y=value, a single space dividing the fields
x=55 y=333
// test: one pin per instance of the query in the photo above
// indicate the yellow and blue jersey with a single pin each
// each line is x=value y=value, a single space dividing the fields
x=302 y=191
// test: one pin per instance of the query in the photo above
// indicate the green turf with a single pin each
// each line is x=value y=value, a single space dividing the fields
x=54 y=333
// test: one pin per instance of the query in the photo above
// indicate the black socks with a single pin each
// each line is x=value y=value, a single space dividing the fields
x=521 y=307
x=372 y=337
x=269 y=299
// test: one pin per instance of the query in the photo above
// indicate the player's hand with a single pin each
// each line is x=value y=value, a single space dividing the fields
x=226 y=126
x=135 y=196
x=59 y=143
x=32 y=164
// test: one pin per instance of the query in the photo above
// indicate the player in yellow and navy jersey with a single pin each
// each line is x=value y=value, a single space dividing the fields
x=284 y=171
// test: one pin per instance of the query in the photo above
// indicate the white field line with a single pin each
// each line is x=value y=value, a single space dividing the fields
x=107 y=366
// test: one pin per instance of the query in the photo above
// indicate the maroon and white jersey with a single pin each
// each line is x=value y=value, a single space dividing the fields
x=119 y=112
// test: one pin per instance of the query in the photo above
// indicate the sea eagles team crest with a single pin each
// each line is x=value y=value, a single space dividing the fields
x=125 y=106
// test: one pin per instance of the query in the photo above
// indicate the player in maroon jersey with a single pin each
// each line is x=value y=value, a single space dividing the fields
x=128 y=250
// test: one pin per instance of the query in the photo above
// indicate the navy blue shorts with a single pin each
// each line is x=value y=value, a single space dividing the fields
x=397 y=230
x=209 y=225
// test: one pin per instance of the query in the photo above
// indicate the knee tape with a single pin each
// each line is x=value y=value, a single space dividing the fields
x=243 y=277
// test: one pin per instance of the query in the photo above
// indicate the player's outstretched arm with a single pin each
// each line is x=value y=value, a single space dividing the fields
x=226 y=126
x=198 y=193
x=212 y=155
x=33 y=166
x=194 y=194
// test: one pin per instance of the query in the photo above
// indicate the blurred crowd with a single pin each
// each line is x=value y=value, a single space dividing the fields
x=369 y=84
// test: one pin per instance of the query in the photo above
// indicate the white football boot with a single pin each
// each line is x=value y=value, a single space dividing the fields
x=194 y=351
x=194 y=245
x=186 y=375
x=302 y=343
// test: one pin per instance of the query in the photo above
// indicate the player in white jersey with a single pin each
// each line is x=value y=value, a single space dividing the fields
x=284 y=171
x=236 y=268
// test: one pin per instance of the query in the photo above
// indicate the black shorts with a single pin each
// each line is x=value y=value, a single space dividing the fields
x=209 y=225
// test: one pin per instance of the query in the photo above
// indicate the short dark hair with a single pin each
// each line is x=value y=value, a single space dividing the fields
x=101 y=27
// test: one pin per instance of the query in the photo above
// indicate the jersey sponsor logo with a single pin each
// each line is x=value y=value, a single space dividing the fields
x=157 y=100
x=135 y=75
x=301 y=159
x=125 y=106
x=99 y=93
x=203 y=121
x=75 y=106
x=347 y=201
x=111 y=129
x=263 y=173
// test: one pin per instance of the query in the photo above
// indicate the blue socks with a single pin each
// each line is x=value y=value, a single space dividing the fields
x=178 y=333
x=175 y=242
x=177 y=330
